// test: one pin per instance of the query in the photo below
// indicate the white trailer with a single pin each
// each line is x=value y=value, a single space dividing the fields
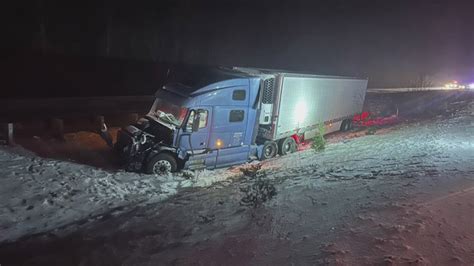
x=303 y=101
x=295 y=104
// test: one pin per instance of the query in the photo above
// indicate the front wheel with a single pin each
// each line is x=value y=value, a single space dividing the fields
x=162 y=164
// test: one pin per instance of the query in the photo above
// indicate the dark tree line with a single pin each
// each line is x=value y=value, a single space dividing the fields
x=391 y=43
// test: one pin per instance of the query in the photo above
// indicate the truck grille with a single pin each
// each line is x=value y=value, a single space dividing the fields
x=268 y=86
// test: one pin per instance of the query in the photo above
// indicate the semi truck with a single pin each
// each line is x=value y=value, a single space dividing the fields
x=231 y=116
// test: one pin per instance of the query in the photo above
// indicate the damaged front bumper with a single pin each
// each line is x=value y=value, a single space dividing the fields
x=129 y=147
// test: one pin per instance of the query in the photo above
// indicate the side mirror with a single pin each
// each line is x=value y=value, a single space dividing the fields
x=196 y=120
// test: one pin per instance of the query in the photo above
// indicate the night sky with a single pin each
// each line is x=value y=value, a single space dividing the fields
x=393 y=43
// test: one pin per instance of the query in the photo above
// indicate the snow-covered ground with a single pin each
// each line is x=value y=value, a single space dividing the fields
x=39 y=195
x=401 y=196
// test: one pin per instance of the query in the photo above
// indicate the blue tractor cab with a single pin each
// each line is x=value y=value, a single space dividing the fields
x=195 y=126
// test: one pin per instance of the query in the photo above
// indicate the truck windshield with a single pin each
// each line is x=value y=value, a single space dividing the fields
x=168 y=112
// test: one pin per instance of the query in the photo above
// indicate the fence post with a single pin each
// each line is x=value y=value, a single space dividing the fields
x=7 y=133
x=10 y=134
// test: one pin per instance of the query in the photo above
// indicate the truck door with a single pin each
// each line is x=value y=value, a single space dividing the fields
x=196 y=141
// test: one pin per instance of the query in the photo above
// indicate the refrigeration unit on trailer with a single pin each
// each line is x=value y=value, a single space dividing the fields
x=223 y=117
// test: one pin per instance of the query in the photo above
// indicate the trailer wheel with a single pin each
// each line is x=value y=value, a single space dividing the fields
x=346 y=125
x=349 y=124
x=270 y=150
x=343 y=126
x=287 y=146
x=162 y=164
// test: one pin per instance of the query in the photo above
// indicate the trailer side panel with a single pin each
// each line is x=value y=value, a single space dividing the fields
x=307 y=101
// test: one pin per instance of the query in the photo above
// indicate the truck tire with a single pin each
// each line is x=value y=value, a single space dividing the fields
x=346 y=125
x=349 y=124
x=270 y=150
x=343 y=126
x=287 y=146
x=162 y=164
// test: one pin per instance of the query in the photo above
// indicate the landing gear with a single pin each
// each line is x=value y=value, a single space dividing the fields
x=287 y=146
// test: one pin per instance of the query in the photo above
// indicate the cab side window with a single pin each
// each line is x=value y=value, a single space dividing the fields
x=202 y=119
x=238 y=95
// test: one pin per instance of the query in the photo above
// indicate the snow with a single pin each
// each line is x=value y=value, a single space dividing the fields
x=401 y=196
x=40 y=194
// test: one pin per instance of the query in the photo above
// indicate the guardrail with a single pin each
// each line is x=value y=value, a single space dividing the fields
x=395 y=90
